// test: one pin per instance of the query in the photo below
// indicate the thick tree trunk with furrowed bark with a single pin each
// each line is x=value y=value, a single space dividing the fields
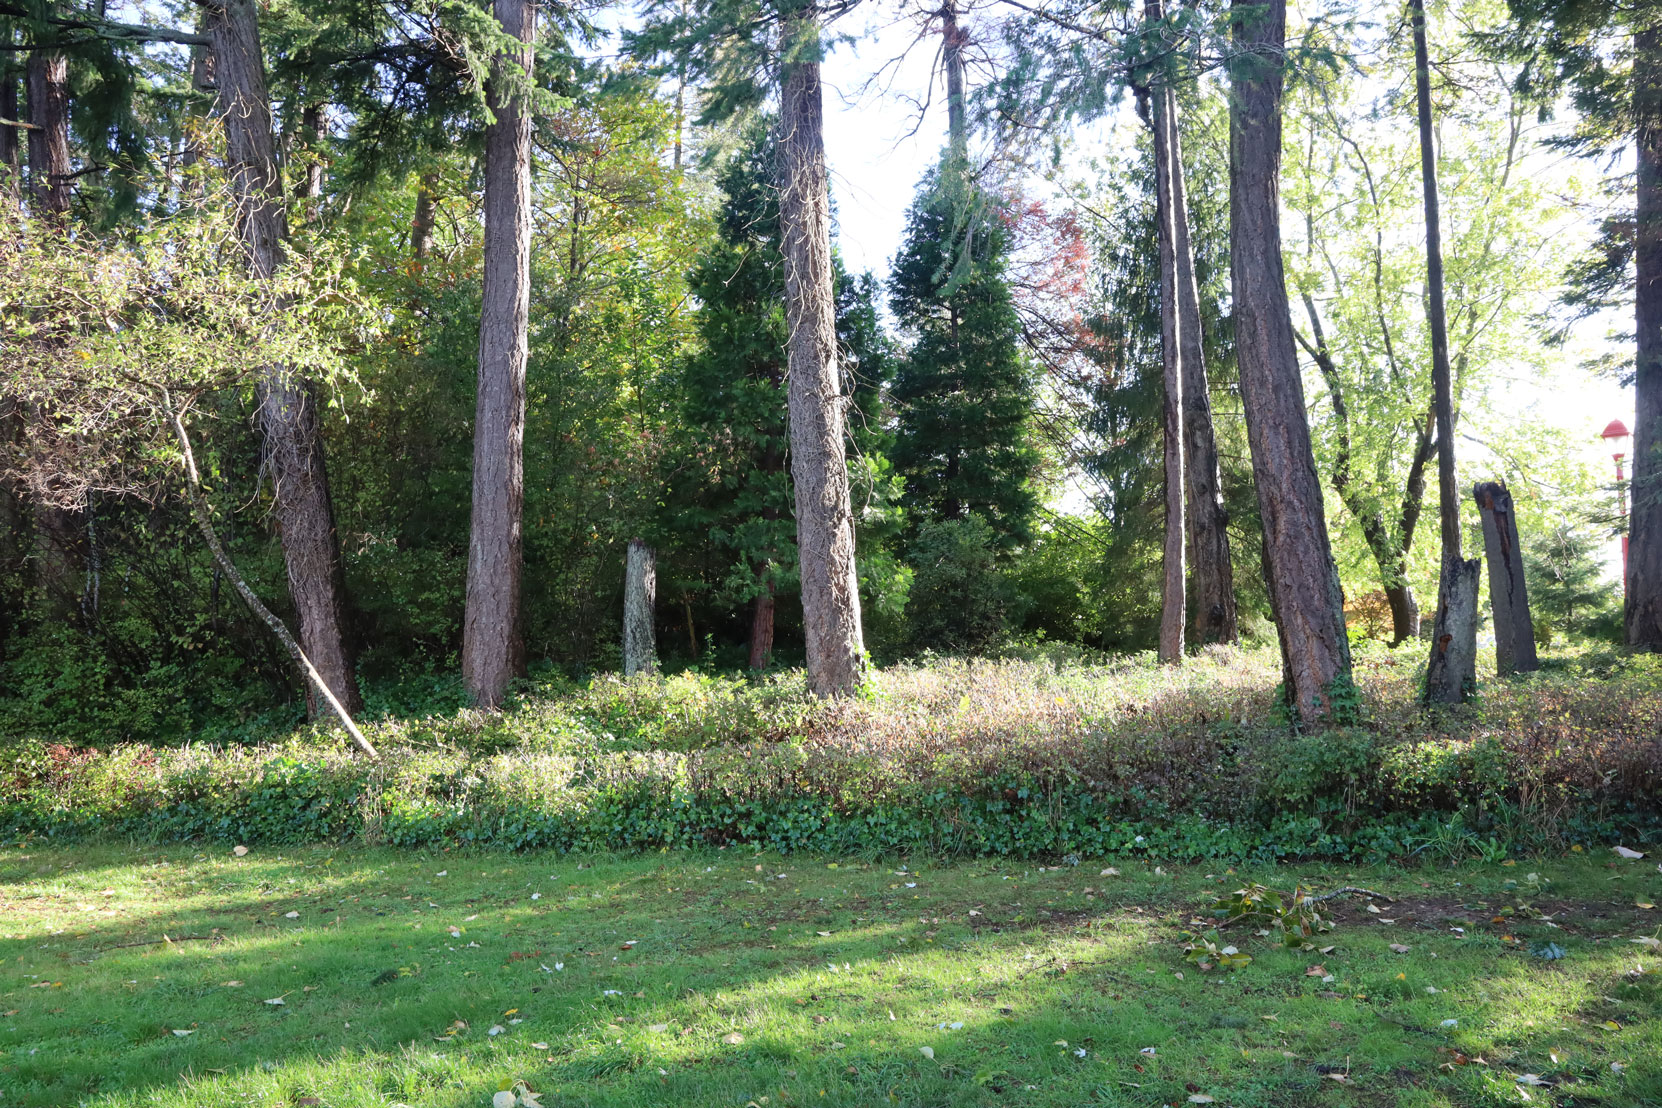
x=1303 y=581
x=288 y=410
x=493 y=651
x=817 y=402
x=1644 y=554
x=51 y=178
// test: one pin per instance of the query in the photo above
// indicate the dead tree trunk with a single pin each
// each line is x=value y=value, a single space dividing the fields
x=493 y=651
x=1173 y=596
x=1303 y=580
x=1508 y=598
x=640 y=599
x=1644 y=554
x=817 y=402
x=288 y=410
x=1452 y=671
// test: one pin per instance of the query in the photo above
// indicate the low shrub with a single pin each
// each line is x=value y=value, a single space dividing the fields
x=990 y=758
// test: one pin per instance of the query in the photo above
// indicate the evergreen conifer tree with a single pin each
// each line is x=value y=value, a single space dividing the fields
x=964 y=391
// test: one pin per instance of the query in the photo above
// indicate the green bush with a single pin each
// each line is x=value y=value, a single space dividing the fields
x=956 y=757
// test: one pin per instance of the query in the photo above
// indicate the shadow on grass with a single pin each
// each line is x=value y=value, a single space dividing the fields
x=835 y=982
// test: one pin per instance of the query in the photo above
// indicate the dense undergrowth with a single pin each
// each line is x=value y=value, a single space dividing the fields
x=1005 y=757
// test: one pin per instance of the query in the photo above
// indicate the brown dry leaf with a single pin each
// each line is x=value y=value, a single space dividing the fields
x=1317 y=970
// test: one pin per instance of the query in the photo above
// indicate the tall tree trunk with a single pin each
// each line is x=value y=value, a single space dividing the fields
x=50 y=175
x=1303 y=581
x=640 y=599
x=59 y=533
x=953 y=40
x=288 y=410
x=1173 y=596
x=817 y=403
x=493 y=651
x=202 y=86
x=1211 y=567
x=1508 y=596
x=761 y=625
x=1453 y=667
x=1644 y=553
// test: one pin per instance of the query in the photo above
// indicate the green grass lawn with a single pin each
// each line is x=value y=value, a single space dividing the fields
x=723 y=978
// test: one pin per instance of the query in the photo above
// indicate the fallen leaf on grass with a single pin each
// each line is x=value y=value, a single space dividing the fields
x=275 y=1000
x=733 y=1039
x=182 y=1034
x=291 y=915
x=658 y=1027
x=1316 y=971
x=1110 y=872
x=1630 y=855
x=1399 y=948
x=1201 y=1098
x=928 y=1052
x=239 y=851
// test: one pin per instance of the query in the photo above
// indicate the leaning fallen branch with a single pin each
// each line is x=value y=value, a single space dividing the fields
x=204 y=522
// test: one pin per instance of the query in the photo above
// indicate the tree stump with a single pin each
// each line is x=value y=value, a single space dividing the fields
x=1508 y=598
x=1452 y=672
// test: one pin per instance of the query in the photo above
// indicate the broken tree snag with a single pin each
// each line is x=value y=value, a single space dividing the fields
x=1508 y=599
x=1453 y=669
x=640 y=598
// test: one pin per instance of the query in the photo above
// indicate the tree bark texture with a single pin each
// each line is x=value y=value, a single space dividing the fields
x=51 y=179
x=817 y=403
x=1450 y=604
x=953 y=40
x=1452 y=672
x=761 y=627
x=1211 y=567
x=640 y=601
x=204 y=522
x=1508 y=598
x=288 y=411
x=1303 y=580
x=1173 y=596
x=493 y=651
x=425 y=221
x=1644 y=554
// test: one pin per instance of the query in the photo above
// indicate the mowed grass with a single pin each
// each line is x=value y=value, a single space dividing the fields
x=722 y=978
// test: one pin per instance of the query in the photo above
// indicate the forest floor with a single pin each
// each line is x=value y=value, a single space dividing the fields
x=345 y=977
